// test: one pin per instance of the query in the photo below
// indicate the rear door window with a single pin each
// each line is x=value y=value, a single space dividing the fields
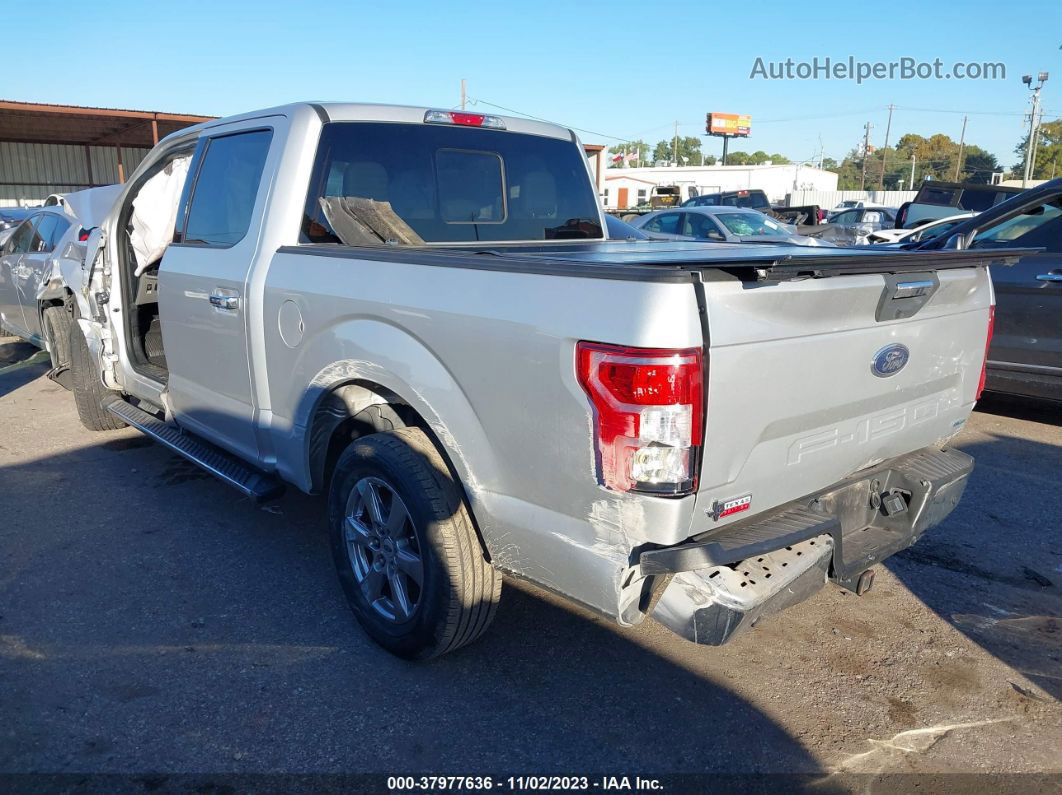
x=20 y=240
x=668 y=224
x=50 y=229
x=225 y=188
x=701 y=226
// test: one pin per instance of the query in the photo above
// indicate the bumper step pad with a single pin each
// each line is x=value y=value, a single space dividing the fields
x=710 y=606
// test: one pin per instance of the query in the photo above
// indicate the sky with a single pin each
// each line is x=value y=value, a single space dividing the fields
x=613 y=70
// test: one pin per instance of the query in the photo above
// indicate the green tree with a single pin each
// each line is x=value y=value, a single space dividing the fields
x=1048 y=152
x=936 y=157
x=689 y=151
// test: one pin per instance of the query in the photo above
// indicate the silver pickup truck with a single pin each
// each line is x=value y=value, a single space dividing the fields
x=418 y=314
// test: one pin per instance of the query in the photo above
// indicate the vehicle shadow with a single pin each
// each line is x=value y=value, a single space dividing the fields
x=993 y=569
x=154 y=620
x=1021 y=408
x=20 y=363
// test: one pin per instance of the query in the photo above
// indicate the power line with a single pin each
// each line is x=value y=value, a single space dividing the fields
x=476 y=101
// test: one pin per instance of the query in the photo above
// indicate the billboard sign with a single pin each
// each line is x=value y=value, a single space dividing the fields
x=729 y=124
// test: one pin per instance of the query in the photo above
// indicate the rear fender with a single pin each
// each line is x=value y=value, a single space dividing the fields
x=381 y=353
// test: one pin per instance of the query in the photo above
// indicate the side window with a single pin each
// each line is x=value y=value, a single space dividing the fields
x=61 y=227
x=22 y=237
x=701 y=226
x=225 y=188
x=37 y=242
x=668 y=223
x=1039 y=226
x=847 y=217
x=49 y=229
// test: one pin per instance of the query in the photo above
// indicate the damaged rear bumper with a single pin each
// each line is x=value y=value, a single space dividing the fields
x=724 y=582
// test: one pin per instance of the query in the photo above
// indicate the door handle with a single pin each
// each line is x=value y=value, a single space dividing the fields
x=225 y=301
x=1050 y=277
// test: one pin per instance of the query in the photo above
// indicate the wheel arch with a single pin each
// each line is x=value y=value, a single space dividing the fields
x=356 y=407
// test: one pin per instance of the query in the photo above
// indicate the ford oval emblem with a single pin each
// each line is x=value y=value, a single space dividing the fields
x=890 y=360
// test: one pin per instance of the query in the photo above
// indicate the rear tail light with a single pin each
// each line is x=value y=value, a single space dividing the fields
x=465 y=119
x=82 y=235
x=988 y=343
x=648 y=415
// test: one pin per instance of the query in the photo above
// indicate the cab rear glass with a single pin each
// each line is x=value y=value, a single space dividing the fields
x=379 y=183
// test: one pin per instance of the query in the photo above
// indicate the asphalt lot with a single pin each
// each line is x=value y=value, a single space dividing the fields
x=152 y=620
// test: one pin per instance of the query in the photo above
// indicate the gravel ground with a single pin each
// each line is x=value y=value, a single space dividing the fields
x=152 y=620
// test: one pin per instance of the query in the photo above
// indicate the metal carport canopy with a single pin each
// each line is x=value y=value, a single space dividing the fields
x=39 y=123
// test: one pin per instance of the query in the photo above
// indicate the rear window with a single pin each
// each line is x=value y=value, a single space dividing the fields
x=940 y=196
x=753 y=199
x=410 y=184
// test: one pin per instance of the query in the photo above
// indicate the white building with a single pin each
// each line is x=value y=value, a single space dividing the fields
x=628 y=187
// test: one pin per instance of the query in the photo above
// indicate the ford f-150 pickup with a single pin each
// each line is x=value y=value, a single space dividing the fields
x=419 y=314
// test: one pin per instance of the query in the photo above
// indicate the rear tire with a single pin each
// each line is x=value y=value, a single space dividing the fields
x=396 y=516
x=88 y=389
x=57 y=323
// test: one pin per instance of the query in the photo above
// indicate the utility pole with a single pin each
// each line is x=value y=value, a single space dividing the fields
x=1034 y=123
x=910 y=184
x=866 y=152
x=884 y=149
x=962 y=140
x=674 y=146
x=464 y=94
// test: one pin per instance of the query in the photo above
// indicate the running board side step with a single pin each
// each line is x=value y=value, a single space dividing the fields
x=218 y=463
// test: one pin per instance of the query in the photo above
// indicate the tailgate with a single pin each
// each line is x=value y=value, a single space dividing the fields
x=808 y=382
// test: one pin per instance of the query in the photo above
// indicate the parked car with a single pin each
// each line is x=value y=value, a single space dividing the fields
x=34 y=303
x=721 y=225
x=417 y=313
x=851 y=227
x=1026 y=353
x=927 y=231
x=755 y=199
x=10 y=217
x=850 y=204
x=621 y=230
x=944 y=199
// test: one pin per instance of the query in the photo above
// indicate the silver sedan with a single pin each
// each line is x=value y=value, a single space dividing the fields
x=720 y=225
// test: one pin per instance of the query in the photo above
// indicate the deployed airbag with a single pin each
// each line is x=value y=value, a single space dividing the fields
x=155 y=213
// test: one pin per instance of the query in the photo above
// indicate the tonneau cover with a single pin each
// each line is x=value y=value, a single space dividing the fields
x=762 y=260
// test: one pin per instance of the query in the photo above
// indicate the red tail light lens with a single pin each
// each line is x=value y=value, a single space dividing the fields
x=988 y=343
x=82 y=235
x=648 y=414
